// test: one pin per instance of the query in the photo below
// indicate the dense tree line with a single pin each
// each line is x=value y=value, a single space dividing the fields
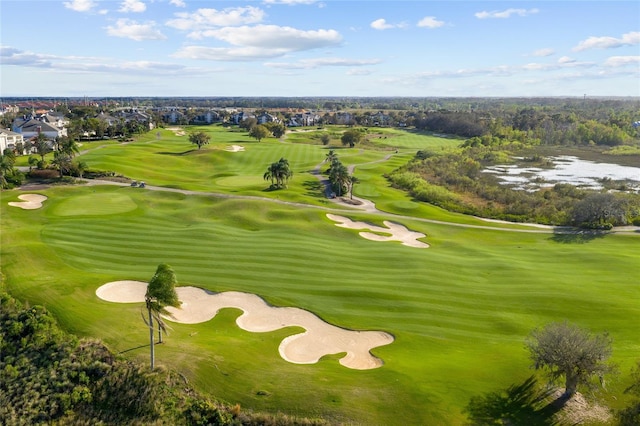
x=348 y=102
x=50 y=377
x=531 y=126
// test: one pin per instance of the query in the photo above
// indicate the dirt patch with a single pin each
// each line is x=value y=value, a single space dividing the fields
x=351 y=201
x=578 y=410
x=319 y=339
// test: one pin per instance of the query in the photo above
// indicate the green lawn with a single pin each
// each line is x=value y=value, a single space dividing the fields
x=459 y=310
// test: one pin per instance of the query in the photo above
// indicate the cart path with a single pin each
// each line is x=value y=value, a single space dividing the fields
x=367 y=206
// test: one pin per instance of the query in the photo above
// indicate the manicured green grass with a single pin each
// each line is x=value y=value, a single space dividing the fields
x=411 y=139
x=459 y=310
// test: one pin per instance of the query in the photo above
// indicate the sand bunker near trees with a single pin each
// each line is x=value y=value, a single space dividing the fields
x=234 y=148
x=29 y=201
x=396 y=231
x=318 y=340
x=178 y=131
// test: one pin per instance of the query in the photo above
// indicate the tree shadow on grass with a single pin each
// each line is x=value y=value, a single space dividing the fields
x=133 y=349
x=577 y=236
x=520 y=404
x=314 y=188
x=178 y=154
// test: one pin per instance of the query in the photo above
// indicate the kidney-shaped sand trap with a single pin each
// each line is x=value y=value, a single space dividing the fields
x=319 y=339
x=30 y=201
x=235 y=148
x=398 y=232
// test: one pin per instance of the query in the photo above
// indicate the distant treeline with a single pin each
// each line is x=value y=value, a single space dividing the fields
x=338 y=102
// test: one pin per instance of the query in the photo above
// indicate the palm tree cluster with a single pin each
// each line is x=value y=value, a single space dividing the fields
x=341 y=181
x=64 y=150
x=279 y=173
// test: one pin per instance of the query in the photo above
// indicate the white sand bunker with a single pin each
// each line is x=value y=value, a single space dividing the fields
x=178 y=131
x=398 y=232
x=319 y=339
x=30 y=201
x=235 y=148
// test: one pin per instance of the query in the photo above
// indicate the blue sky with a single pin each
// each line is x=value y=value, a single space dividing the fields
x=160 y=48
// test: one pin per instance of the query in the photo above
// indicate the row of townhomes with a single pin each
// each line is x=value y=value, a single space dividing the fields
x=26 y=128
x=176 y=115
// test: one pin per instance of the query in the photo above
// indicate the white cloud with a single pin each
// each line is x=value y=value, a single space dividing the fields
x=80 y=5
x=381 y=24
x=430 y=22
x=323 y=62
x=543 y=52
x=627 y=39
x=228 y=54
x=91 y=65
x=505 y=13
x=13 y=56
x=178 y=3
x=566 y=60
x=358 y=71
x=211 y=18
x=259 y=42
x=276 y=37
x=135 y=6
x=128 y=28
x=563 y=63
x=621 y=61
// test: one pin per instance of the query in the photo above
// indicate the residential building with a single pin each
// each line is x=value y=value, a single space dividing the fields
x=9 y=139
x=30 y=127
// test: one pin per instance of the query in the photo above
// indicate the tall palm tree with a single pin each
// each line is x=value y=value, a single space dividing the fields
x=352 y=181
x=62 y=161
x=160 y=293
x=331 y=157
x=42 y=147
x=271 y=173
x=339 y=177
x=69 y=146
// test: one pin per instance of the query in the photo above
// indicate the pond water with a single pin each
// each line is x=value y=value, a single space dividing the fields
x=566 y=169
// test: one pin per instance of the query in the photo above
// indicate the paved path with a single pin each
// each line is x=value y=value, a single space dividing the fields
x=344 y=205
x=341 y=206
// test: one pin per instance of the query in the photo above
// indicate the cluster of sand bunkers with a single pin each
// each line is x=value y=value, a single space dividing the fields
x=319 y=338
x=396 y=231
